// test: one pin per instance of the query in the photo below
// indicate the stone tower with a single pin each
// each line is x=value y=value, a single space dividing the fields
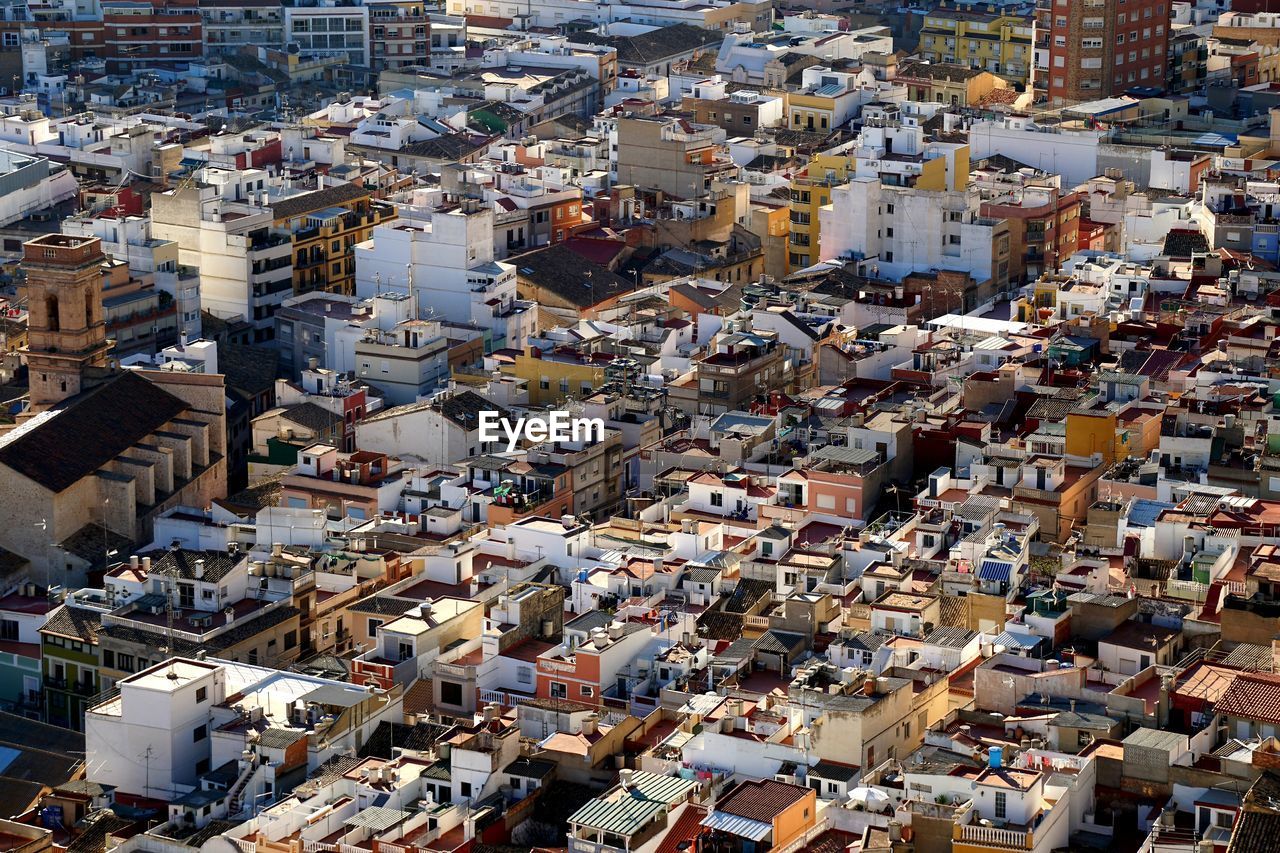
x=66 y=334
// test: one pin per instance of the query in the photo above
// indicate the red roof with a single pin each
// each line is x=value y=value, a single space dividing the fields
x=1252 y=697
x=761 y=799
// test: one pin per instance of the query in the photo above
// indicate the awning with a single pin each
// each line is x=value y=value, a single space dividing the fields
x=743 y=827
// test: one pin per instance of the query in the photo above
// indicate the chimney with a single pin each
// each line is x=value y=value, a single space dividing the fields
x=869 y=685
x=199 y=571
x=590 y=724
x=895 y=831
x=146 y=564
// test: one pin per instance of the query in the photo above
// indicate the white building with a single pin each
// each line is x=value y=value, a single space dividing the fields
x=31 y=183
x=329 y=29
x=177 y=720
x=448 y=256
x=128 y=238
x=245 y=268
x=906 y=229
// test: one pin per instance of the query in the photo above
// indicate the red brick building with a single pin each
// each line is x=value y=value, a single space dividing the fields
x=1100 y=48
x=141 y=33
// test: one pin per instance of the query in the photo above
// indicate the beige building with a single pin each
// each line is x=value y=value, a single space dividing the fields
x=672 y=156
x=120 y=448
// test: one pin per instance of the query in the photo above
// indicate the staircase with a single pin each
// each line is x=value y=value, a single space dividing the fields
x=236 y=793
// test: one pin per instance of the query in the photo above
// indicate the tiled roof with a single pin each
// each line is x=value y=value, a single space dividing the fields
x=59 y=448
x=181 y=563
x=1252 y=697
x=302 y=203
x=68 y=621
x=760 y=799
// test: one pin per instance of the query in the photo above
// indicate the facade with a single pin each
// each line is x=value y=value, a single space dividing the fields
x=326 y=225
x=227 y=27
x=245 y=266
x=67 y=333
x=998 y=41
x=1100 y=49
x=138 y=34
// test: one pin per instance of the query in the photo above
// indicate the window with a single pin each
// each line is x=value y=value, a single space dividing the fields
x=1002 y=805
x=201 y=732
x=451 y=693
x=717 y=499
x=9 y=630
x=290 y=639
x=524 y=674
x=202 y=693
x=559 y=690
x=587 y=690
x=373 y=627
x=109 y=658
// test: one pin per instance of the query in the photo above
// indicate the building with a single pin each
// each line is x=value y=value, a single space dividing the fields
x=227 y=27
x=671 y=155
x=447 y=256
x=30 y=183
x=141 y=33
x=245 y=266
x=999 y=41
x=762 y=815
x=66 y=331
x=70 y=661
x=329 y=29
x=399 y=34
x=1100 y=49
x=188 y=717
x=325 y=226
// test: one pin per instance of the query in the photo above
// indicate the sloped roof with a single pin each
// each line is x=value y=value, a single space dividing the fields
x=1252 y=697
x=58 y=448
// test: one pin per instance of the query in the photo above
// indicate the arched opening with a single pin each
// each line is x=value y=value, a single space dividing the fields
x=51 y=314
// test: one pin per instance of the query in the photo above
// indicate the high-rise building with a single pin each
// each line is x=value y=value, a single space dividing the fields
x=66 y=333
x=1100 y=48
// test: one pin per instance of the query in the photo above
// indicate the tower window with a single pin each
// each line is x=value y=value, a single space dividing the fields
x=51 y=313
x=88 y=307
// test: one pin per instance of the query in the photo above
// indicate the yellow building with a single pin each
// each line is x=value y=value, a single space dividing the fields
x=810 y=191
x=949 y=83
x=326 y=225
x=999 y=42
x=554 y=375
x=1090 y=432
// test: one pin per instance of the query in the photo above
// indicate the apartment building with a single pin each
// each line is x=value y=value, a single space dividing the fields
x=999 y=40
x=906 y=229
x=129 y=239
x=399 y=34
x=139 y=33
x=447 y=257
x=730 y=373
x=404 y=363
x=1100 y=48
x=358 y=485
x=740 y=112
x=245 y=265
x=188 y=717
x=671 y=155
x=325 y=226
x=329 y=29
x=227 y=27
x=70 y=663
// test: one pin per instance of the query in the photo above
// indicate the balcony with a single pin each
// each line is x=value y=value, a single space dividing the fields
x=991 y=836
